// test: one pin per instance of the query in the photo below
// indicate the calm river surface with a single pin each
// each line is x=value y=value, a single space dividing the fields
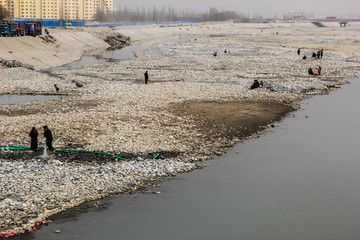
x=302 y=181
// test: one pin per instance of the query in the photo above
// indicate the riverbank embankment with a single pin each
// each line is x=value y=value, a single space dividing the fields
x=192 y=107
x=59 y=47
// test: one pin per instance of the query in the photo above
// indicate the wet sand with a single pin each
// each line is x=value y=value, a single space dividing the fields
x=233 y=120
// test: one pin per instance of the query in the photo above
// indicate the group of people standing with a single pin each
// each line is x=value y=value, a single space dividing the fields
x=33 y=134
x=317 y=55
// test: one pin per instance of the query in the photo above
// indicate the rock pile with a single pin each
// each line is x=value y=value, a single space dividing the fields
x=117 y=41
x=14 y=63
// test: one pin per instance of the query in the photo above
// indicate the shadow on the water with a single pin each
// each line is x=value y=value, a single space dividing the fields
x=71 y=215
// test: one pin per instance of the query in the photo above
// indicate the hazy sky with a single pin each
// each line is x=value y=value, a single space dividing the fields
x=267 y=8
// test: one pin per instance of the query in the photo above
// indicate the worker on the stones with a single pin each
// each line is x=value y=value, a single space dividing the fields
x=261 y=84
x=255 y=84
x=310 y=71
x=49 y=138
x=319 y=70
x=34 y=139
x=56 y=87
x=298 y=51
x=146 y=75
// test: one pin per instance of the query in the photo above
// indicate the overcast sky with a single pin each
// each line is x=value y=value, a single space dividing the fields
x=267 y=8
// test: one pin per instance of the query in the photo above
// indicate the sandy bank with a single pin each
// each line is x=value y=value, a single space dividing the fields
x=64 y=46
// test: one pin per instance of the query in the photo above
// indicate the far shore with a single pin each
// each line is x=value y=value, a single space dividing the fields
x=196 y=104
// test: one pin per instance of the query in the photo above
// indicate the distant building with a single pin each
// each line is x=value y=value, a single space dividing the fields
x=57 y=9
x=295 y=15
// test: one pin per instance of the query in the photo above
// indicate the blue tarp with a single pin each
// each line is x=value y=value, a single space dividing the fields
x=58 y=23
x=54 y=23
x=138 y=24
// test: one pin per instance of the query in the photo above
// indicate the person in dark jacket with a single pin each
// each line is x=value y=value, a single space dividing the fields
x=255 y=84
x=146 y=75
x=49 y=138
x=34 y=139
x=298 y=51
x=311 y=72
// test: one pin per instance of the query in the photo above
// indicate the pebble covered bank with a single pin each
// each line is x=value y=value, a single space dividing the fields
x=115 y=112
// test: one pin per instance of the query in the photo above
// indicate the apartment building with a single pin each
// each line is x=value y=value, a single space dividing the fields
x=56 y=9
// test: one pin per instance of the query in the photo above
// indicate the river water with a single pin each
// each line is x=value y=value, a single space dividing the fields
x=300 y=181
x=98 y=57
x=102 y=56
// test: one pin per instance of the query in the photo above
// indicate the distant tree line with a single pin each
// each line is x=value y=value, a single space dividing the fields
x=170 y=14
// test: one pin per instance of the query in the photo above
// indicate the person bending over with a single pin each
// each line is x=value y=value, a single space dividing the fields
x=49 y=138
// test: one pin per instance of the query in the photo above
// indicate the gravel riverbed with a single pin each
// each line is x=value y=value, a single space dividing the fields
x=115 y=112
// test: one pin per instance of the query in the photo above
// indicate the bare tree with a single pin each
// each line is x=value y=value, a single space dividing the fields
x=170 y=14
x=4 y=13
x=102 y=16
